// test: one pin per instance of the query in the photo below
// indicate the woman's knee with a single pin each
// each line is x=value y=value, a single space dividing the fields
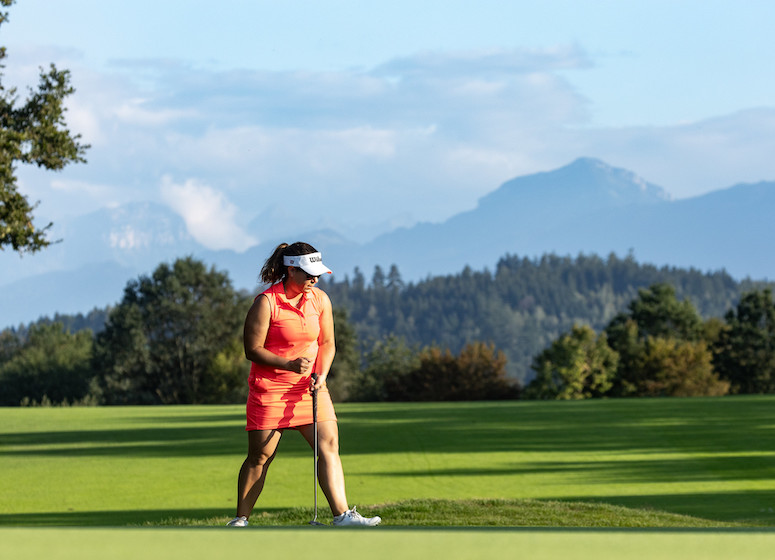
x=262 y=447
x=329 y=443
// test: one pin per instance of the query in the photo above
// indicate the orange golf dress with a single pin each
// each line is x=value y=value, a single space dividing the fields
x=280 y=398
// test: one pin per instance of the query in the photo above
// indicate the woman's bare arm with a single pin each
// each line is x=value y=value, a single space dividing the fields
x=256 y=327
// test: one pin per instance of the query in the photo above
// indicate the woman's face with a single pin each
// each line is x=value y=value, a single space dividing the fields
x=300 y=278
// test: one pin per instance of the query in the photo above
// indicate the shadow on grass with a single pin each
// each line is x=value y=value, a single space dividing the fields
x=698 y=425
x=645 y=425
x=139 y=442
x=108 y=518
x=231 y=418
x=216 y=517
x=687 y=469
x=754 y=507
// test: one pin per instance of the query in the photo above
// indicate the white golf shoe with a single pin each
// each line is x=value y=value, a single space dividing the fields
x=352 y=518
x=240 y=521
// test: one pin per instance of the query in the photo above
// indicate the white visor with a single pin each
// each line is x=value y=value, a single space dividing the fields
x=311 y=264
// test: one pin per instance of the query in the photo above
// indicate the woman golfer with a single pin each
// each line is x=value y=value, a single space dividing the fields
x=289 y=336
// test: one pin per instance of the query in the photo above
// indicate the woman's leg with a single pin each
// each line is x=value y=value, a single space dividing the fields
x=330 y=472
x=262 y=447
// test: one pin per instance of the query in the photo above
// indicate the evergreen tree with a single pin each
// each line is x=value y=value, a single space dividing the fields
x=378 y=279
x=660 y=348
x=389 y=358
x=359 y=282
x=394 y=281
x=745 y=351
x=345 y=368
x=9 y=345
x=525 y=304
x=657 y=312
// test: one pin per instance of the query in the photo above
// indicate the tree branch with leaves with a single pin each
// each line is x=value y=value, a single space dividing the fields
x=32 y=131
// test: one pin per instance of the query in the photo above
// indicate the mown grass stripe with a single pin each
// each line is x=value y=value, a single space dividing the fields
x=384 y=544
x=699 y=459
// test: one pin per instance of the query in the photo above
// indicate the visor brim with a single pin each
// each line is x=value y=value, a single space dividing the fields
x=316 y=269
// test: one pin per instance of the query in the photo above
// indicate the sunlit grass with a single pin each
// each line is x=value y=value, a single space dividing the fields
x=634 y=463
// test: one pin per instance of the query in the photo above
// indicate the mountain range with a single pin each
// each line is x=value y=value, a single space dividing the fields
x=584 y=207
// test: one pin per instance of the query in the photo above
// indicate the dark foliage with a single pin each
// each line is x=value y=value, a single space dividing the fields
x=175 y=336
x=32 y=132
x=745 y=351
x=50 y=365
x=162 y=342
x=659 y=340
x=478 y=373
x=520 y=308
x=578 y=365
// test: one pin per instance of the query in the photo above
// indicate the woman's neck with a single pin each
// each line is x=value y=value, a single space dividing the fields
x=292 y=292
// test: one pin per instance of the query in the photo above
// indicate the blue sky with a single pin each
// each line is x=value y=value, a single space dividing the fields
x=247 y=116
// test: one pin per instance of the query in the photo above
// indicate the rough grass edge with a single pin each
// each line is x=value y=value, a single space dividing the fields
x=479 y=513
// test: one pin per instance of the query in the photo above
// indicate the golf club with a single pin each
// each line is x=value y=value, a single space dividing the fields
x=315 y=448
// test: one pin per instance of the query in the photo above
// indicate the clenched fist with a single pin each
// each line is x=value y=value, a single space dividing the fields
x=300 y=365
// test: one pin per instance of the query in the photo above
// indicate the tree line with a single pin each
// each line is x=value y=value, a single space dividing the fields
x=521 y=306
x=553 y=327
x=661 y=347
x=174 y=338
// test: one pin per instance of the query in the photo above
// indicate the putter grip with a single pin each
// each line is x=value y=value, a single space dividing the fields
x=314 y=398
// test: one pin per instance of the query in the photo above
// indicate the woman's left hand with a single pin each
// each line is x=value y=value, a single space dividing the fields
x=317 y=382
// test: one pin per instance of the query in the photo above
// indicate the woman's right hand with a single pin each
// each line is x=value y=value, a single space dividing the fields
x=300 y=365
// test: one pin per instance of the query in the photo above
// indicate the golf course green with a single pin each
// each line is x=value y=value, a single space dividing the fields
x=568 y=474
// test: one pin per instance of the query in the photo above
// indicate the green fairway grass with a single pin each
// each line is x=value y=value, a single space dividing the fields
x=382 y=544
x=605 y=463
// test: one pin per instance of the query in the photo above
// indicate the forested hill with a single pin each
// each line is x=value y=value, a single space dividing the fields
x=520 y=307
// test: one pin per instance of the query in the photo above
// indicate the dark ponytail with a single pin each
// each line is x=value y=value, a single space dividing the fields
x=274 y=270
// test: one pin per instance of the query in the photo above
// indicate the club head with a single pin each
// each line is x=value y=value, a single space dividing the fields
x=317 y=523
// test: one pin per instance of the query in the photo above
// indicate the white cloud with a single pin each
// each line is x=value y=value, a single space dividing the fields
x=209 y=216
x=69 y=186
x=135 y=111
x=425 y=135
x=81 y=120
x=494 y=62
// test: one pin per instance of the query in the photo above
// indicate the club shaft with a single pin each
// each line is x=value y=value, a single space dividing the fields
x=315 y=447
